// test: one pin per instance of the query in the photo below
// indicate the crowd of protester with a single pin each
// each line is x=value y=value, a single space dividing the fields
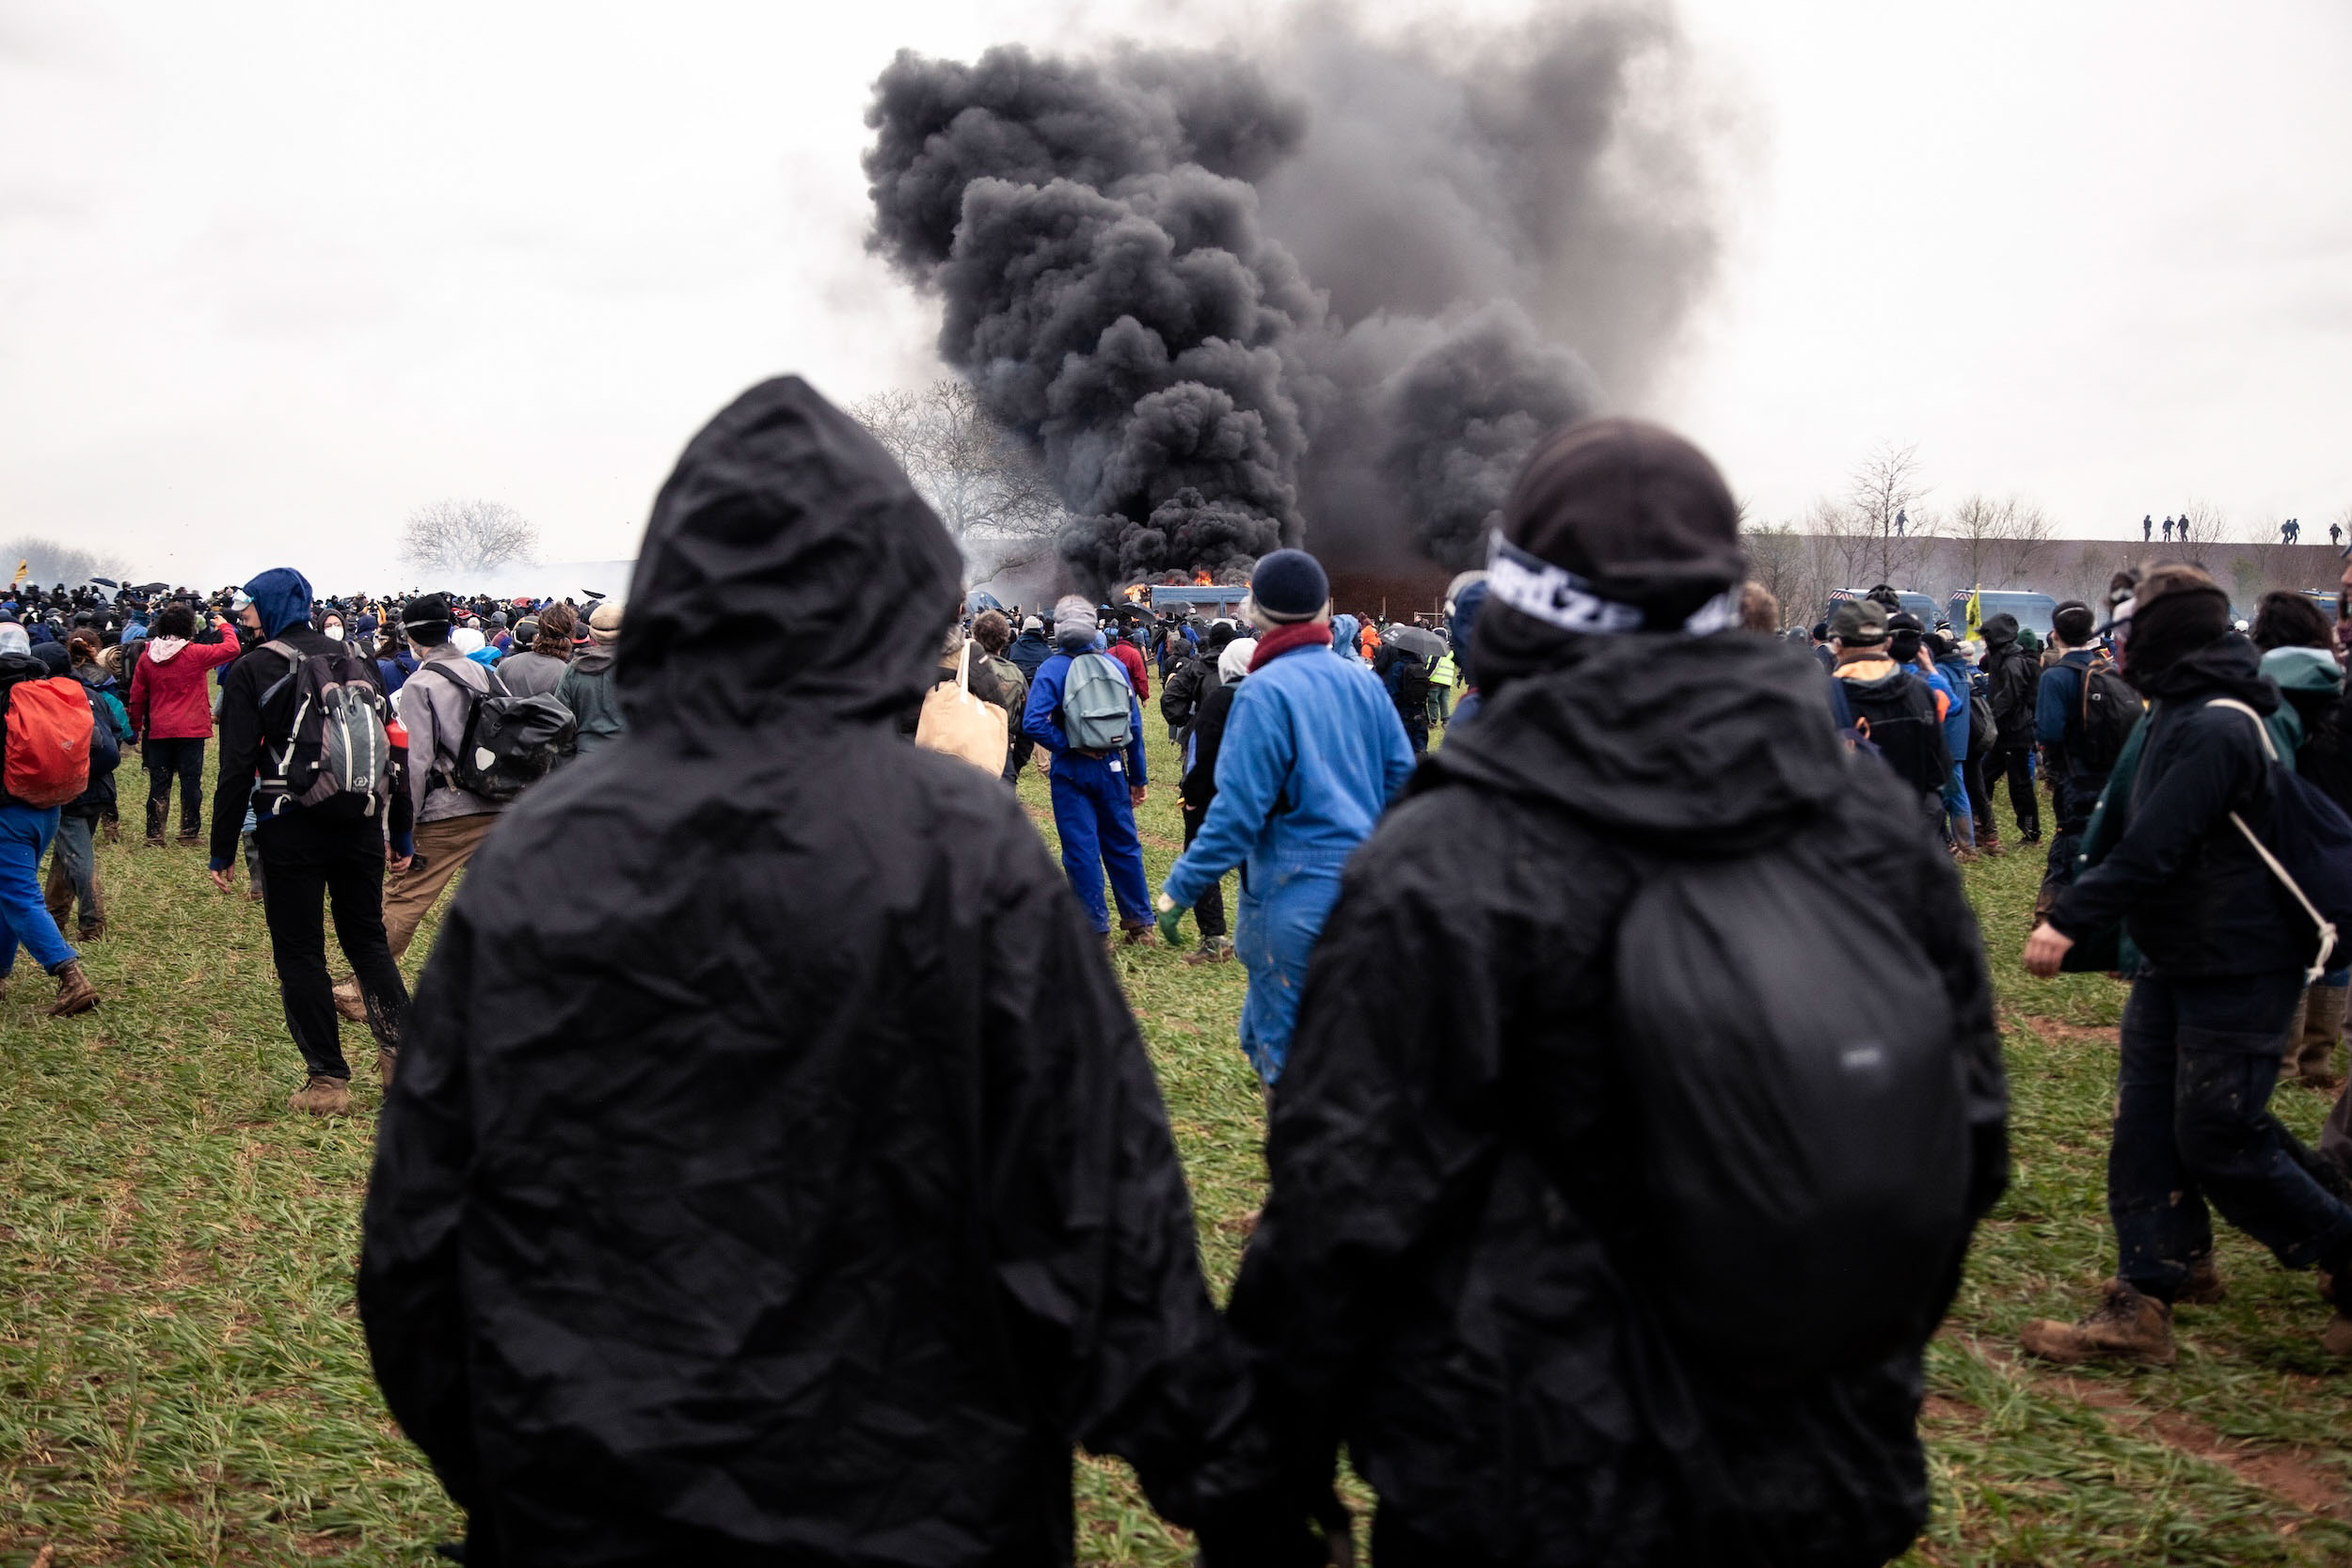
x=784 y=1179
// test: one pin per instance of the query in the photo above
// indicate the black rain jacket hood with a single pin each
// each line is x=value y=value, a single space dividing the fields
x=789 y=573
x=774 y=1172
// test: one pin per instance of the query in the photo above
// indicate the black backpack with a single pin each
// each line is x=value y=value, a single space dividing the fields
x=1984 y=731
x=2111 y=709
x=1804 y=1152
x=509 y=742
x=1899 y=718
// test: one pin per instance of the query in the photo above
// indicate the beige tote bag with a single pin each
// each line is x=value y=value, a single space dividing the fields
x=957 y=722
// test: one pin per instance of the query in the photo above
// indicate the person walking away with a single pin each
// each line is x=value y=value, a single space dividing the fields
x=172 y=711
x=1478 y=1264
x=2295 y=639
x=1886 y=704
x=1183 y=693
x=1312 y=753
x=2011 y=677
x=1098 y=770
x=1441 y=687
x=805 y=1057
x=1124 y=648
x=330 y=851
x=2083 y=712
x=73 y=855
x=543 y=652
x=1031 y=649
x=991 y=631
x=1407 y=678
x=2223 y=948
x=1202 y=740
x=1949 y=673
x=587 y=687
x=26 y=832
x=451 y=821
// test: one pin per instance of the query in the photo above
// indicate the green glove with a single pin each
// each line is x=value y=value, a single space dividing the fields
x=1170 y=918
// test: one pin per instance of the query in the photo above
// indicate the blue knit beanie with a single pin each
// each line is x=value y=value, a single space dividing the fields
x=1290 y=585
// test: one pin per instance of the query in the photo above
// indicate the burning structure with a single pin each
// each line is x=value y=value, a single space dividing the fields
x=1322 y=296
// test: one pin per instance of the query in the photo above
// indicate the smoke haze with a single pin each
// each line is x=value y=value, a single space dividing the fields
x=1333 y=293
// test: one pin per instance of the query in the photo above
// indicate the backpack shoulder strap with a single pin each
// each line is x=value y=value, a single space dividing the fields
x=2325 y=927
x=2260 y=729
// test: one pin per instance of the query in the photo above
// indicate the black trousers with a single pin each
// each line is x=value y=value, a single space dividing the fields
x=167 y=760
x=1209 y=914
x=2016 y=763
x=311 y=860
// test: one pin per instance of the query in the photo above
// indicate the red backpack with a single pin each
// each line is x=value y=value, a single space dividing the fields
x=49 y=736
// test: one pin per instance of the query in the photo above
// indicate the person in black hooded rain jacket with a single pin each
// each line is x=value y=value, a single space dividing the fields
x=1445 y=1277
x=790 y=1184
x=2225 y=947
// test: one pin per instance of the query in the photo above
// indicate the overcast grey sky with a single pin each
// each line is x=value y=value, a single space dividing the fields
x=272 y=275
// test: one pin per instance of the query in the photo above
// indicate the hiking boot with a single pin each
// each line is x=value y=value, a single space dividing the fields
x=95 y=930
x=154 y=824
x=75 y=994
x=190 y=836
x=2126 y=1325
x=111 y=831
x=322 y=1096
x=2204 y=1286
x=386 y=1062
x=1214 y=950
x=350 y=1004
x=1989 y=845
x=1138 y=935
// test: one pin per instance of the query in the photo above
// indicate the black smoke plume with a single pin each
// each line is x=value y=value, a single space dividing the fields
x=1118 y=247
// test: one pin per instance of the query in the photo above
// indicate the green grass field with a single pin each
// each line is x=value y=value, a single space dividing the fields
x=183 y=1377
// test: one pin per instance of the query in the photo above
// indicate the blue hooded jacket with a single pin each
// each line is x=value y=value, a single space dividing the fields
x=281 y=596
x=1312 y=753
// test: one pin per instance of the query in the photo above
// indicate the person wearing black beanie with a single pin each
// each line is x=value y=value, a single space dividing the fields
x=1462 y=1237
x=1312 y=753
x=2224 y=948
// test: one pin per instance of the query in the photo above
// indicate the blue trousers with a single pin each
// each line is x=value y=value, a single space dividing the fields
x=24 y=835
x=2192 y=1123
x=1096 y=821
x=1275 y=932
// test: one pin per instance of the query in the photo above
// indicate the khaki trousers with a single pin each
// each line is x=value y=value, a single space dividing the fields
x=443 y=847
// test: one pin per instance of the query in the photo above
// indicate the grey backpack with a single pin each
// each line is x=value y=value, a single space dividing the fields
x=337 y=743
x=1097 y=704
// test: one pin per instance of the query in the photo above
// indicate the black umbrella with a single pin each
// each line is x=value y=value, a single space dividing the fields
x=1416 y=639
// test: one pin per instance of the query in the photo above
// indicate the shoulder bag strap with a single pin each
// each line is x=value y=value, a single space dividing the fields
x=2326 y=927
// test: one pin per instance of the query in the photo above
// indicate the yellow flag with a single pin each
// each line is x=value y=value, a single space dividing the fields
x=1975 y=611
x=24 y=570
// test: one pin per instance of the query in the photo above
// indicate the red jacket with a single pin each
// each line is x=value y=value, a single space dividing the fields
x=1138 y=673
x=168 y=697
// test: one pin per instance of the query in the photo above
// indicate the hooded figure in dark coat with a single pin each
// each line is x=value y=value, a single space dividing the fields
x=1455 y=1274
x=784 y=1182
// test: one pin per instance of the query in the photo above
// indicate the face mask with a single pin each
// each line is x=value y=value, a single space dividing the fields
x=335 y=632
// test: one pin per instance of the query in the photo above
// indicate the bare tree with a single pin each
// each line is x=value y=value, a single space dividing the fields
x=1993 y=542
x=2200 y=528
x=467 y=536
x=986 y=484
x=1881 y=529
x=1777 y=559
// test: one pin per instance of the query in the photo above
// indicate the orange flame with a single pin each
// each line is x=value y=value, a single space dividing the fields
x=1201 y=580
x=1135 y=593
